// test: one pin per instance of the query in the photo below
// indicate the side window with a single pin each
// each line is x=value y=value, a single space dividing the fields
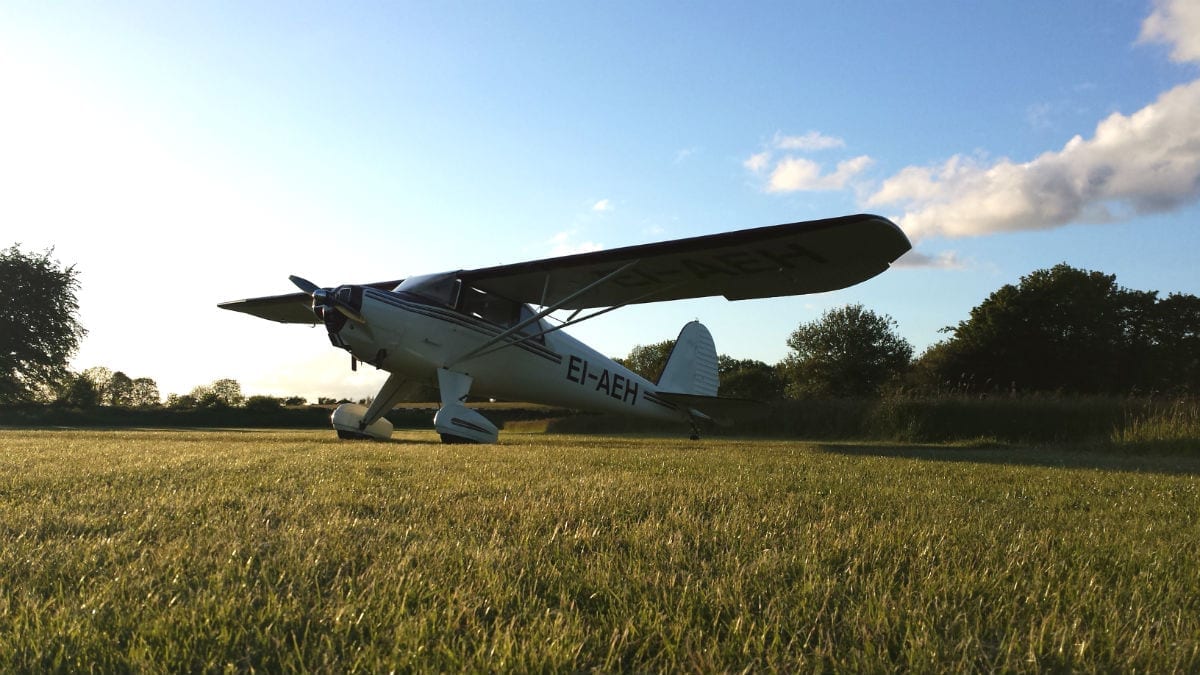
x=491 y=308
x=533 y=328
x=497 y=310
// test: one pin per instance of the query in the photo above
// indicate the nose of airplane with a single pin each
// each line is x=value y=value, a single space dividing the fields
x=346 y=300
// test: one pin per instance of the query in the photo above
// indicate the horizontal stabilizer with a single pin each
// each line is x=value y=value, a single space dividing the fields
x=723 y=411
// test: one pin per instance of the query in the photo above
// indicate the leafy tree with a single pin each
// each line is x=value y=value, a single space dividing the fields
x=1174 y=337
x=1071 y=330
x=181 y=402
x=264 y=404
x=144 y=393
x=101 y=379
x=748 y=378
x=648 y=360
x=120 y=390
x=223 y=393
x=39 y=330
x=849 y=351
x=78 y=392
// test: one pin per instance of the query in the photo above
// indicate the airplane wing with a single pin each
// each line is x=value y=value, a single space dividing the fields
x=287 y=308
x=791 y=259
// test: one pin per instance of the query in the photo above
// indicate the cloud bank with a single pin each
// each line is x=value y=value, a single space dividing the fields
x=1175 y=23
x=1144 y=163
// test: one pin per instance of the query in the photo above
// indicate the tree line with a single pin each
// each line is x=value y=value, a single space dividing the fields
x=1061 y=330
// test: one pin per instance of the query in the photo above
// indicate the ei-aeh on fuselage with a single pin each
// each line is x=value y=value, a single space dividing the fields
x=487 y=332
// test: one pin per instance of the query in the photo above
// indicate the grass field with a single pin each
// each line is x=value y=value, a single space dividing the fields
x=274 y=550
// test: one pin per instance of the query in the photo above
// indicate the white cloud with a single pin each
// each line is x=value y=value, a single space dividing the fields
x=1175 y=23
x=602 y=206
x=946 y=260
x=791 y=173
x=686 y=154
x=1147 y=162
x=757 y=163
x=564 y=243
x=796 y=174
x=812 y=140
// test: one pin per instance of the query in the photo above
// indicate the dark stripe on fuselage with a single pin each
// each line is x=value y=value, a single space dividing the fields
x=653 y=398
x=418 y=305
x=458 y=422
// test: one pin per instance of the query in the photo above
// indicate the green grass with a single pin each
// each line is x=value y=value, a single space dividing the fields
x=270 y=550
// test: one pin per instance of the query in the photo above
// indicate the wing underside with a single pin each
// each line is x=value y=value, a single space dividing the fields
x=289 y=308
x=791 y=259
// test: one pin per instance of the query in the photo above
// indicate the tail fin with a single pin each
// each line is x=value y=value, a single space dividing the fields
x=690 y=380
x=692 y=366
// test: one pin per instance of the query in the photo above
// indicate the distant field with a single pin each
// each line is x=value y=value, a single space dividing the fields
x=277 y=550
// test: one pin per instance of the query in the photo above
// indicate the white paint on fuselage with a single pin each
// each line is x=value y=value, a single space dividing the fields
x=559 y=370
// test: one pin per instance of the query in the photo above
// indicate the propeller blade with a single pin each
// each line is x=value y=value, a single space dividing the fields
x=323 y=297
x=303 y=284
x=350 y=313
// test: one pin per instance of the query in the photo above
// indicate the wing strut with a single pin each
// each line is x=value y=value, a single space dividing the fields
x=571 y=321
x=540 y=315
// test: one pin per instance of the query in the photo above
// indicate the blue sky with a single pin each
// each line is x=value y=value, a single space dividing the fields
x=182 y=154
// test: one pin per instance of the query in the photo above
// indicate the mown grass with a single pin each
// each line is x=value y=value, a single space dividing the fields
x=270 y=551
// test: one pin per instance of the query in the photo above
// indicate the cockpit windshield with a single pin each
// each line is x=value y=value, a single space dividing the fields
x=442 y=288
x=446 y=289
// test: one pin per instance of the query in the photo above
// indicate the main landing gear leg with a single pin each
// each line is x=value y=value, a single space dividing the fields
x=353 y=421
x=455 y=422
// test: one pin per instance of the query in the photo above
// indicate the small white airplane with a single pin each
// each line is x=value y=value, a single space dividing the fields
x=478 y=332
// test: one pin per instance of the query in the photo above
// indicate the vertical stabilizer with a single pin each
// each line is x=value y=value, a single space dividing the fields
x=692 y=366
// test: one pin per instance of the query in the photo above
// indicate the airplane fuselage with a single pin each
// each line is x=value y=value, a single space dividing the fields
x=406 y=333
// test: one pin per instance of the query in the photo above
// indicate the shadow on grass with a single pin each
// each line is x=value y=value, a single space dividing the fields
x=1166 y=457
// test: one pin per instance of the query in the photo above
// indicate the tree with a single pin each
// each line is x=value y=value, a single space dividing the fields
x=1174 y=336
x=101 y=379
x=1070 y=330
x=223 y=393
x=648 y=360
x=144 y=393
x=849 y=351
x=181 y=402
x=120 y=390
x=264 y=404
x=39 y=330
x=78 y=392
x=747 y=378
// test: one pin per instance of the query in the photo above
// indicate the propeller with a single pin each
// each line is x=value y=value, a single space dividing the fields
x=325 y=297
x=304 y=284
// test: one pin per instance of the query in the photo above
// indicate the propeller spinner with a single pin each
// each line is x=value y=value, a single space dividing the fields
x=323 y=298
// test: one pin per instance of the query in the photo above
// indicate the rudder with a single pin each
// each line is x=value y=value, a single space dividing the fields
x=692 y=366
